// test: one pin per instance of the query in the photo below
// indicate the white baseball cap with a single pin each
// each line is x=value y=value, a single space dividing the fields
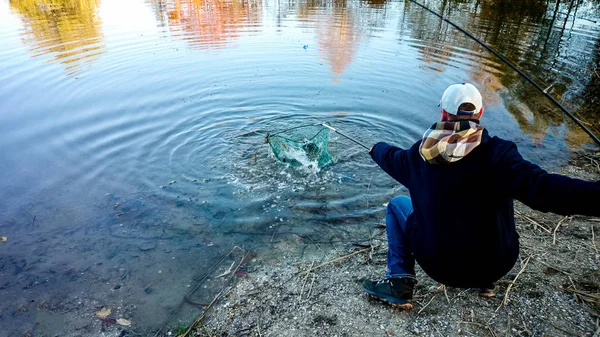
x=460 y=93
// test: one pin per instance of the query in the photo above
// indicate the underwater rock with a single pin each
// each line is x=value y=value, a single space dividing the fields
x=146 y=246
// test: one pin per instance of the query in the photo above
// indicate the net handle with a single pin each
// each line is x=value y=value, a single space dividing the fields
x=343 y=135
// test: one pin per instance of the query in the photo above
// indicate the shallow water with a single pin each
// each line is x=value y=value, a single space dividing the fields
x=128 y=130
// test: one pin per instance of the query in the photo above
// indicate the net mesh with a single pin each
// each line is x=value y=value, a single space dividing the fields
x=302 y=146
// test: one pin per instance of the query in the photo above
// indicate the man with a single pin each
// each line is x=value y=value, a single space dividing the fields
x=459 y=220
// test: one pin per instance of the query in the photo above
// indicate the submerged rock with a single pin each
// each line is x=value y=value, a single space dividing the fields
x=146 y=246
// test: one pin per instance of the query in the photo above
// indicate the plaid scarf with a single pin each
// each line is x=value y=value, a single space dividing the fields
x=448 y=142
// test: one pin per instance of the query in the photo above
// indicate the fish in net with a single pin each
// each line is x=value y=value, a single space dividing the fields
x=306 y=145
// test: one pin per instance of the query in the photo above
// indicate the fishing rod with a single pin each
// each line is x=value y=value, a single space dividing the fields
x=510 y=64
x=343 y=135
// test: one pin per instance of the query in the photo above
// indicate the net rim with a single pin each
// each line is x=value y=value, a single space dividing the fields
x=298 y=127
x=295 y=140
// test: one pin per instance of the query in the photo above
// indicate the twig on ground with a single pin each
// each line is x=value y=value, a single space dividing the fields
x=593 y=161
x=574 y=288
x=595 y=297
x=569 y=333
x=594 y=240
x=446 y=294
x=553 y=267
x=597 y=333
x=505 y=301
x=335 y=260
x=483 y=326
x=243 y=331
x=371 y=252
x=258 y=326
x=456 y=298
x=533 y=222
x=437 y=330
x=445 y=290
x=423 y=308
x=304 y=282
x=491 y=331
x=526 y=329
x=530 y=248
x=556 y=228
x=311 y=285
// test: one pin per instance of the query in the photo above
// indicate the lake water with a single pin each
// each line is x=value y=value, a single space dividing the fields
x=128 y=130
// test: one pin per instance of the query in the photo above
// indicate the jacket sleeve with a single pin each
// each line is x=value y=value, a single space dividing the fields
x=391 y=159
x=543 y=191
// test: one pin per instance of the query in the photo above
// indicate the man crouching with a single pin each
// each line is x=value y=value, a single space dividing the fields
x=458 y=223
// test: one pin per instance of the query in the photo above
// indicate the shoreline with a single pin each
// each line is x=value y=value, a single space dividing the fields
x=553 y=290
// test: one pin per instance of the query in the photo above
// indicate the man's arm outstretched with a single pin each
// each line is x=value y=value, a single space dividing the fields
x=544 y=191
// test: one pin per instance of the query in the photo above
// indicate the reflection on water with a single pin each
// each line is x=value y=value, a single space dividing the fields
x=549 y=42
x=337 y=32
x=340 y=27
x=68 y=29
x=211 y=23
x=338 y=39
x=555 y=42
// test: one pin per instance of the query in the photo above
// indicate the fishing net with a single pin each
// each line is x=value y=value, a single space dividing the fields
x=306 y=145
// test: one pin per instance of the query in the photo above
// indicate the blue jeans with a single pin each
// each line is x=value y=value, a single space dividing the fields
x=400 y=259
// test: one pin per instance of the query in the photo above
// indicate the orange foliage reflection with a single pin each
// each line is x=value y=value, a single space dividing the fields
x=211 y=23
x=70 y=29
x=338 y=39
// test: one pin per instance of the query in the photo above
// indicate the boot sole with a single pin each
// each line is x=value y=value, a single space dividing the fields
x=404 y=306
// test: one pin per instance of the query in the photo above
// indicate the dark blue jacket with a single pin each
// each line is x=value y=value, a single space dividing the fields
x=463 y=228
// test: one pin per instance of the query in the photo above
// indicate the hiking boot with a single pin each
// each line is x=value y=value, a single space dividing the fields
x=487 y=291
x=396 y=291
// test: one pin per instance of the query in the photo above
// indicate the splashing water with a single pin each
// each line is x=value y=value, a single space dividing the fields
x=306 y=146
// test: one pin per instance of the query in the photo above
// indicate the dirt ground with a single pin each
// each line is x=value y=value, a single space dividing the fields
x=554 y=290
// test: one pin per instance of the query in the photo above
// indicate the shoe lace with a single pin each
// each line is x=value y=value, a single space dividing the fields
x=385 y=280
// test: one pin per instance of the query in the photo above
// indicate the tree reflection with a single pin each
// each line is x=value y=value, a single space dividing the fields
x=589 y=100
x=376 y=3
x=70 y=29
x=211 y=23
x=538 y=36
x=541 y=37
x=340 y=28
x=338 y=40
